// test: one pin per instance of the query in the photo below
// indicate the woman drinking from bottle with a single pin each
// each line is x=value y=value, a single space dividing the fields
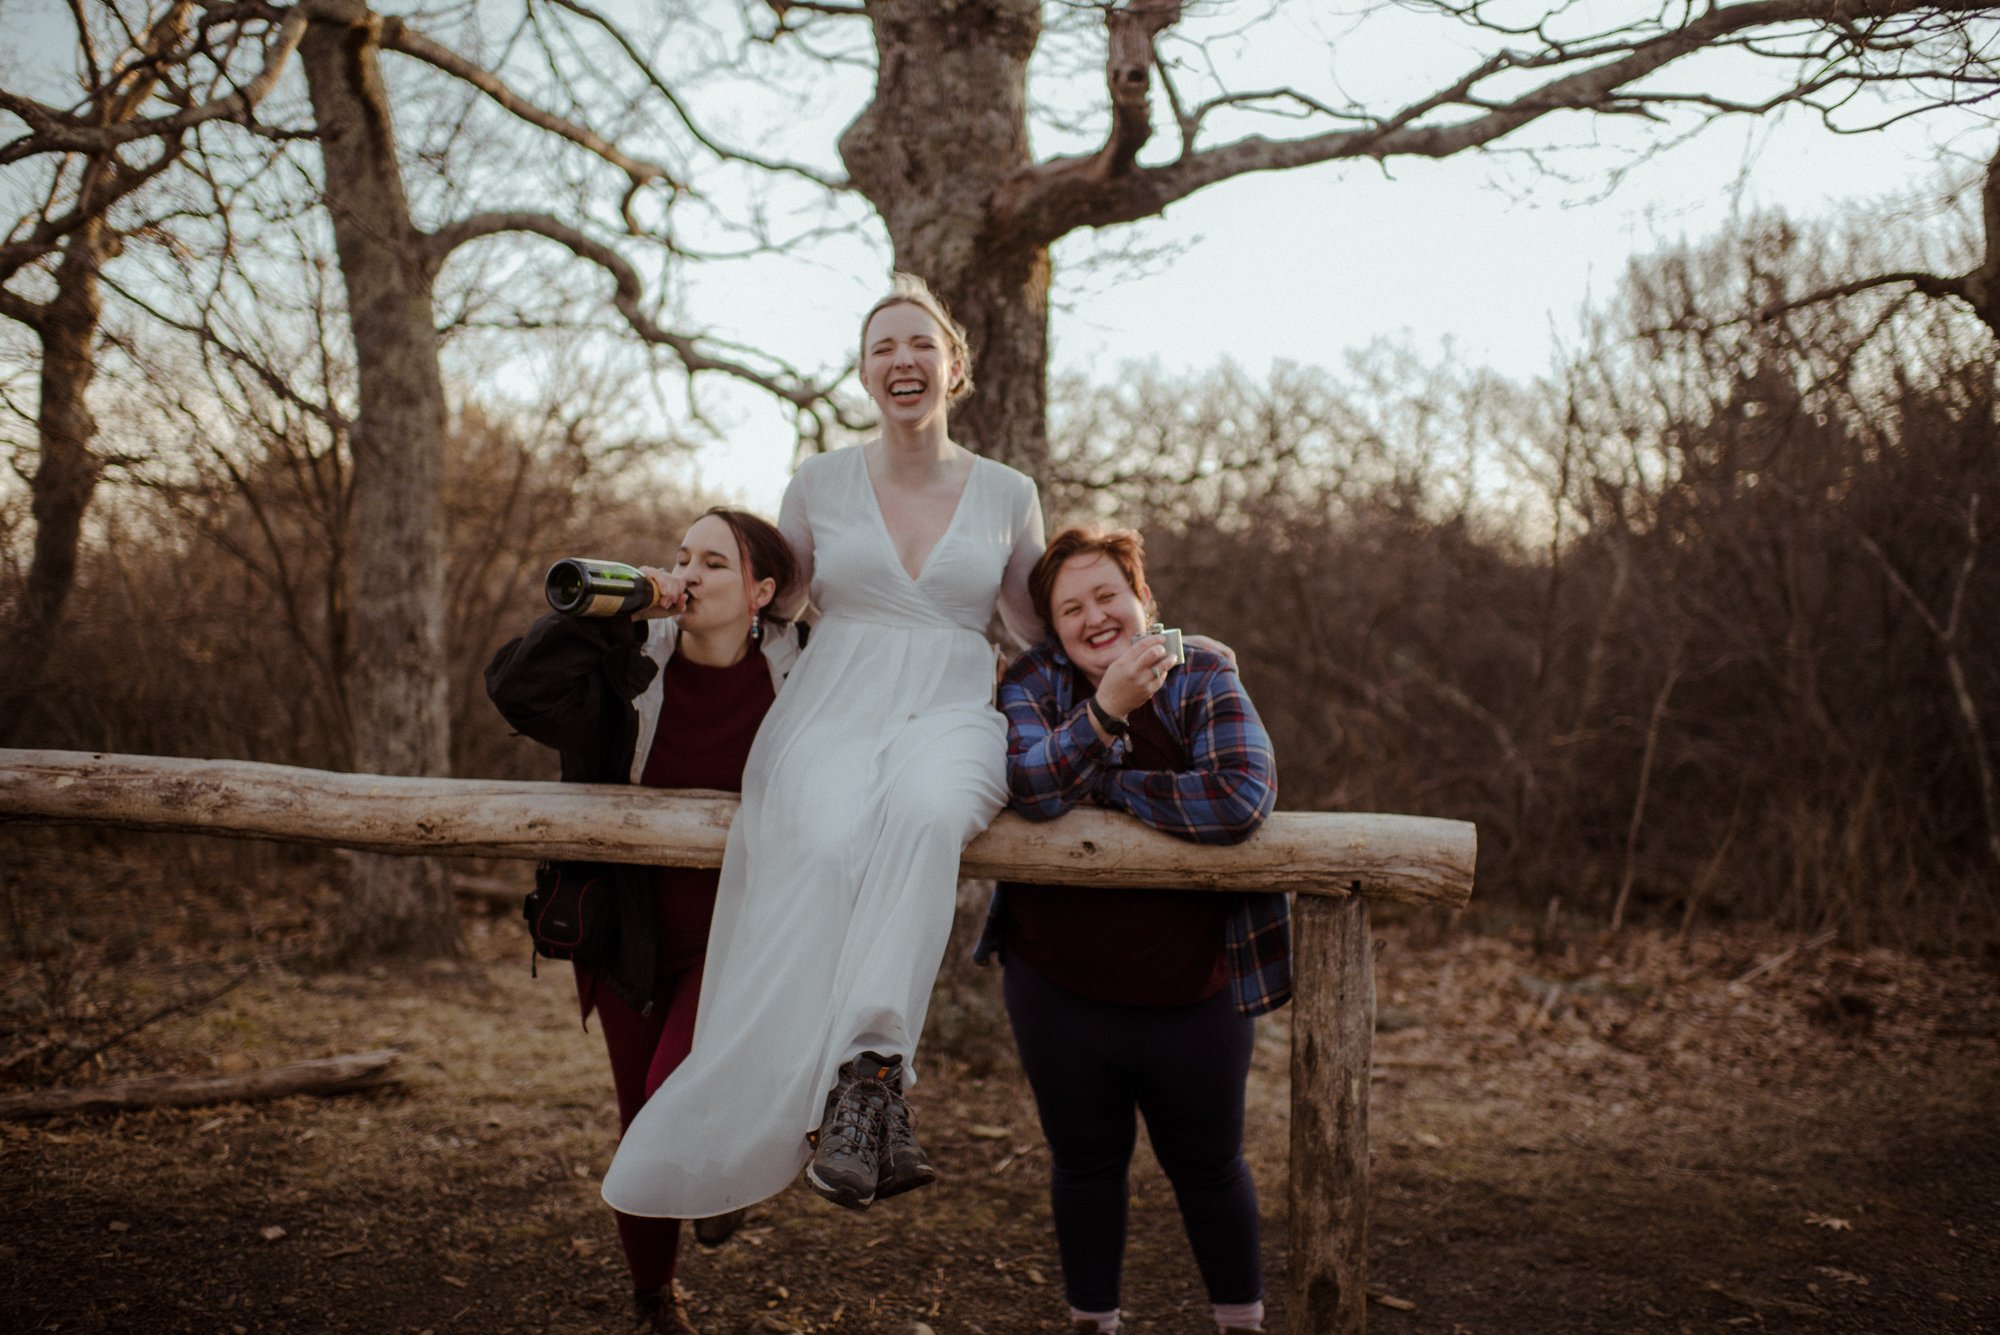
x=668 y=696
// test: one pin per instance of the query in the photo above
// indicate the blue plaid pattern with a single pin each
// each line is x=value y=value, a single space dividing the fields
x=1055 y=760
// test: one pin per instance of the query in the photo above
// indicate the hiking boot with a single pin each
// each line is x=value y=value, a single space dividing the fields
x=718 y=1229
x=905 y=1167
x=661 y=1313
x=847 y=1148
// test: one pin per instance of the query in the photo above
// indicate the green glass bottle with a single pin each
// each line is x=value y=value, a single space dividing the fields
x=579 y=587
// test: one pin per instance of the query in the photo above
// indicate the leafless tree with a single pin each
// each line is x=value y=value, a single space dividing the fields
x=51 y=278
x=397 y=688
x=942 y=153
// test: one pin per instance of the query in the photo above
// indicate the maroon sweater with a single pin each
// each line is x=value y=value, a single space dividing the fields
x=708 y=718
x=1131 y=947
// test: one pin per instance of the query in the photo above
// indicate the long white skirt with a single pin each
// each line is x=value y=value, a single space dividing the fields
x=834 y=909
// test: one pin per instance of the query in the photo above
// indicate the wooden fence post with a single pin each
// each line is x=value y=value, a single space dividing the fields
x=1333 y=1034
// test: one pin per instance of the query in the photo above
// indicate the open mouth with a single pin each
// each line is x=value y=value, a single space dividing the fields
x=906 y=391
x=1104 y=639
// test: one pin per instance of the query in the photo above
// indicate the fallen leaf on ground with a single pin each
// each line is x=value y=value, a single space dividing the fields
x=271 y=1234
x=985 y=1132
x=1828 y=1221
x=1391 y=1301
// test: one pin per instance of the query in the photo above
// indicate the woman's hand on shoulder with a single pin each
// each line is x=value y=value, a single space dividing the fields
x=669 y=594
x=1214 y=646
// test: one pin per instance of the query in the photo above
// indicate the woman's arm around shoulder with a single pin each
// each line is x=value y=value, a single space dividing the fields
x=1231 y=782
x=1016 y=606
x=795 y=522
x=550 y=684
x=1053 y=754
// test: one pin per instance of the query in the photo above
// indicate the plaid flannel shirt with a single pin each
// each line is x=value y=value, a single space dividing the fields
x=1056 y=760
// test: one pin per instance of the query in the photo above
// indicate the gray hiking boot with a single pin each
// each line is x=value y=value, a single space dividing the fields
x=904 y=1167
x=847 y=1148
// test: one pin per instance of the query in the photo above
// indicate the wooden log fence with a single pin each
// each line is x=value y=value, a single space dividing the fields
x=1336 y=862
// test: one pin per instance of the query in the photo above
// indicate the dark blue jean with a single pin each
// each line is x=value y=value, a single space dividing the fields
x=1092 y=1065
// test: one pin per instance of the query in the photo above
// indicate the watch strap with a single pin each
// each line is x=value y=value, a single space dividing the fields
x=1117 y=727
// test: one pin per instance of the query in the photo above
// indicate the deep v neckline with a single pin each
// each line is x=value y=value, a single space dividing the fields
x=882 y=520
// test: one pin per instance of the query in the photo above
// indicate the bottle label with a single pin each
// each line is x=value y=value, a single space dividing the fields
x=604 y=604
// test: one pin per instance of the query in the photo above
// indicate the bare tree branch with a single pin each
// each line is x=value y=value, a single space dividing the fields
x=1978 y=287
x=1042 y=202
x=628 y=297
x=660 y=86
x=784 y=9
x=395 y=35
x=53 y=131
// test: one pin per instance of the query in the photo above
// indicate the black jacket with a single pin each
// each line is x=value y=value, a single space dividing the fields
x=586 y=686
x=569 y=683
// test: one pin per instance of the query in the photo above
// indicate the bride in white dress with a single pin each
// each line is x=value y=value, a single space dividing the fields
x=882 y=757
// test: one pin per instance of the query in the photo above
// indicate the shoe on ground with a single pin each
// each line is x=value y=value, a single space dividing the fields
x=657 y=1313
x=904 y=1165
x=718 y=1229
x=847 y=1148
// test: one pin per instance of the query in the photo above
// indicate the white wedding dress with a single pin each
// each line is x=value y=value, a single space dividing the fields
x=882 y=757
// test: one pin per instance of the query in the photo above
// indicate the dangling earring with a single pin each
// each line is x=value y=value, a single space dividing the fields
x=756 y=628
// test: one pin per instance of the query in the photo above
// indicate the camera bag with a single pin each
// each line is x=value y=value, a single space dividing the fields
x=569 y=909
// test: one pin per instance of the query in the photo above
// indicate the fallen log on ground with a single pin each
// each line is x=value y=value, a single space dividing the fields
x=324 y=1076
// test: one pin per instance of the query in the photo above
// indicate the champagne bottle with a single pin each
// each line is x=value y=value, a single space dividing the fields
x=579 y=587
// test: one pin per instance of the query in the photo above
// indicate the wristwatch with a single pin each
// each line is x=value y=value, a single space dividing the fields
x=1117 y=727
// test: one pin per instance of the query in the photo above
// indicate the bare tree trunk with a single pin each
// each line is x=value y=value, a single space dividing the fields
x=400 y=722
x=67 y=325
x=67 y=473
x=1004 y=305
x=932 y=172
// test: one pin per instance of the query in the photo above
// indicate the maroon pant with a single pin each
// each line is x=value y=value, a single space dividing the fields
x=644 y=1050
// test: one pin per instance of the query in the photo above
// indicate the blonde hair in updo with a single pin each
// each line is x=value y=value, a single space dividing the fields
x=906 y=289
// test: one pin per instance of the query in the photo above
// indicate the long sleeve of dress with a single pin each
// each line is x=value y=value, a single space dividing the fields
x=795 y=522
x=1017 y=608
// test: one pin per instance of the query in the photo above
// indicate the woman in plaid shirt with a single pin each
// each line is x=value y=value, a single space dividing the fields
x=1127 y=1001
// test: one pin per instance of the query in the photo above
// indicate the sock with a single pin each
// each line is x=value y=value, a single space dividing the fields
x=1240 y=1316
x=1107 y=1322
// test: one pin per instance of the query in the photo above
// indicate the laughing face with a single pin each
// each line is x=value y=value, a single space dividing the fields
x=1096 y=612
x=907 y=366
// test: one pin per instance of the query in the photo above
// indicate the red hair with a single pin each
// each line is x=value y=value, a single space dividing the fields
x=1124 y=546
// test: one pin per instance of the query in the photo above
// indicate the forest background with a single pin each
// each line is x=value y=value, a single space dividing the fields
x=325 y=327
x=1697 y=625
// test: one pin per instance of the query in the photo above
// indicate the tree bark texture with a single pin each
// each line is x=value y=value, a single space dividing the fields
x=399 y=720
x=66 y=475
x=947 y=126
x=1412 y=859
x=1333 y=1030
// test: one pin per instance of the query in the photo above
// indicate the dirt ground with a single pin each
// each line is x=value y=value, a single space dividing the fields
x=1569 y=1134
